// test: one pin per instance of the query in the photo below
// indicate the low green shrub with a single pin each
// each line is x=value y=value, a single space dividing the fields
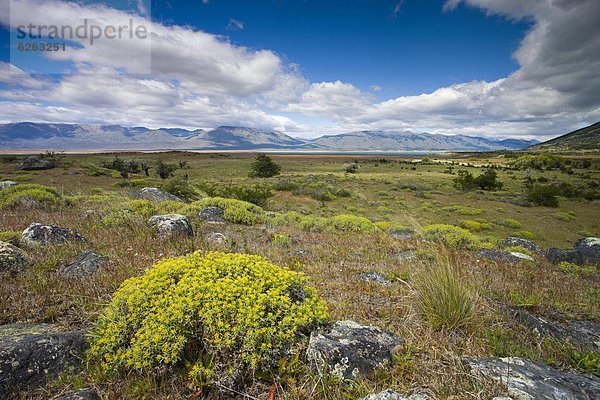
x=255 y=194
x=565 y=216
x=213 y=315
x=452 y=236
x=30 y=196
x=12 y=237
x=511 y=223
x=282 y=240
x=475 y=226
x=181 y=188
x=464 y=210
x=525 y=235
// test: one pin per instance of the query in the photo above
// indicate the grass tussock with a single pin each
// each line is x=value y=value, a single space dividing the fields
x=445 y=297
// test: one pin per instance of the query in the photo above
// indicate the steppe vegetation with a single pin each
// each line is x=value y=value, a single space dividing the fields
x=303 y=227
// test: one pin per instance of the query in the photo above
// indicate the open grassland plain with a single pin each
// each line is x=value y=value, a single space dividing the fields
x=332 y=222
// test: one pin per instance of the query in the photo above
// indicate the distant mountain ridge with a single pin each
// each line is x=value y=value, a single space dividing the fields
x=45 y=136
x=587 y=138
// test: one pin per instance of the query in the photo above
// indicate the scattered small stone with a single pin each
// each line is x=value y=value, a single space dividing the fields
x=7 y=184
x=582 y=334
x=12 y=258
x=524 y=243
x=402 y=234
x=375 y=277
x=155 y=194
x=33 y=353
x=349 y=350
x=169 y=225
x=406 y=255
x=85 y=263
x=35 y=163
x=270 y=214
x=212 y=215
x=216 y=238
x=89 y=213
x=529 y=380
x=45 y=234
x=299 y=253
x=83 y=394
x=512 y=257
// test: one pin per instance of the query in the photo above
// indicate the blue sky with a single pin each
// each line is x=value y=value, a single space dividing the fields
x=480 y=67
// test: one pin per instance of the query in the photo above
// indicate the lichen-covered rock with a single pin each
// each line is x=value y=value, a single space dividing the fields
x=556 y=256
x=524 y=243
x=45 y=234
x=216 y=238
x=511 y=257
x=170 y=225
x=83 y=394
x=35 y=163
x=402 y=234
x=589 y=249
x=155 y=194
x=349 y=350
x=582 y=334
x=85 y=263
x=32 y=353
x=389 y=394
x=7 y=184
x=212 y=215
x=11 y=258
x=529 y=380
x=375 y=277
x=406 y=255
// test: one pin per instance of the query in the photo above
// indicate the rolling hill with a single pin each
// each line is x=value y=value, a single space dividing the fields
x=587 y=138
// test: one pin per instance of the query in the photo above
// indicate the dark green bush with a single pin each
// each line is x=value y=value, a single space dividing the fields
x=255 y=194
x=263 y=166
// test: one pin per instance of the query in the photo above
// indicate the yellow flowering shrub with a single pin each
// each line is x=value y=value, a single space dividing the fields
x=219 y=314
x=452 y=236
x=30 y=195
x=235 y=211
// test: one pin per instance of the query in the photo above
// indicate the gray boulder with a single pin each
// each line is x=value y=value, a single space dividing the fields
x=7 y=184
x=402 y=234
x=212 y=215
x=85 y=263
x=169 y=225
x=35 y=163
x=556 y=256
x=83 y=394
x=375 y=277
x=349 y=350
x=582 y=334
x=524 y=243
x=32 y=353
x=216 y=238
x=46 y=234
x=154 y=194
x=12 y=258
x=589 y=249
x=529 y=380
x=511 y=257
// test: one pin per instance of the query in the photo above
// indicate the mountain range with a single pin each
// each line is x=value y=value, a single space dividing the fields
x=587 y=138
x=44 y=136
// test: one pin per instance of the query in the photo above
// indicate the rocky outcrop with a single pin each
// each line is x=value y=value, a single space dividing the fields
x=212 y=215
x=582 y=334
x=7 y=184
x=524 y=243
x=12 y=258
x=83 y=394
x=169 y=225
x=375 y=277
x=48 y=234
x=35 y=163
x=32 y=353
x=509 y=257
x=402 y=234
x=86 y=263
x=155 y=194
x=529 y=380
x=585 y=251
x=349 y=350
